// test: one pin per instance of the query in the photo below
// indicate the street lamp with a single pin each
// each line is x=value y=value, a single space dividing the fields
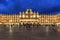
x=10 y=26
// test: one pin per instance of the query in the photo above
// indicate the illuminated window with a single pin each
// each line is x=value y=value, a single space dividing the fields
x=46 y=20
x=37 y=16
x=31 y=16
x=23 y=16
x=26 y=16
x=10 y=20
x=20 y=16
x=34 y=16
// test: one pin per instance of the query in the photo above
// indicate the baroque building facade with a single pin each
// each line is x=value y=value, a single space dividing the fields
x=30 y=18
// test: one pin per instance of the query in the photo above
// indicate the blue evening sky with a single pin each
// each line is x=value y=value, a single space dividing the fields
x=42 y=6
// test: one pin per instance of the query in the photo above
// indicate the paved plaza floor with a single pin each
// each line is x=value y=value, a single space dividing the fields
x=28 y=34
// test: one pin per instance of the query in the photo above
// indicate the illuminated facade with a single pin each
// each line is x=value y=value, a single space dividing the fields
x=30 y=17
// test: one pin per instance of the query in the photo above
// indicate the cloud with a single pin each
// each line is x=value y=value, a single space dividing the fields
x=15 y=6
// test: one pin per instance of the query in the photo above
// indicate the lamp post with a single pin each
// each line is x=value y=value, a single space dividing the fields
x=10 y=28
